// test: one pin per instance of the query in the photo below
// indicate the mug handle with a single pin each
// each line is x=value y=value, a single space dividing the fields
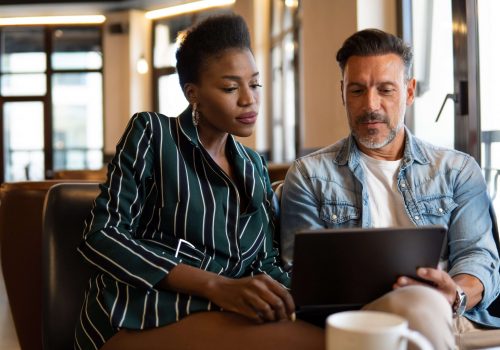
x=418 y=339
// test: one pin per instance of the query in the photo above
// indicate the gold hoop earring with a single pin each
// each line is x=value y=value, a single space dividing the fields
x=195 y=115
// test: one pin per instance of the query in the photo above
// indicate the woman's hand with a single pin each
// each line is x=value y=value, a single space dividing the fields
x=259 y=297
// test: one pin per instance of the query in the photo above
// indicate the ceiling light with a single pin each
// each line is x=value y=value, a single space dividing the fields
x=89 y=19
x=142 y=65
x=186 y=8
x=292 y=3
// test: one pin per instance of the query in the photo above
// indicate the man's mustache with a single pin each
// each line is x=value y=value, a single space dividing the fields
x=371 y=117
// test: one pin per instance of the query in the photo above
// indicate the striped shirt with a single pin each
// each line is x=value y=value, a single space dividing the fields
x=167 y=202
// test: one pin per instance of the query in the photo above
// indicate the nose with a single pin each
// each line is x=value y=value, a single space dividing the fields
x=372 y=100
x=247 y=96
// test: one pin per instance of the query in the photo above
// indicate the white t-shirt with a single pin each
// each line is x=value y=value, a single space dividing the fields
x=386 y=203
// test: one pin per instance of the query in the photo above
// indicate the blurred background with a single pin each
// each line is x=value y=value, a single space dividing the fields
x=68 y=85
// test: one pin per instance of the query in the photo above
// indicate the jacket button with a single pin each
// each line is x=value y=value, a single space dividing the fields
x=417 y=217
x=334 y=216
x=440 y=210
x=403 y=185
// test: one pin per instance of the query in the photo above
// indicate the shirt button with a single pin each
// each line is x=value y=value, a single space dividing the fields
x=334 y=216
x=440 y=210
x=417 y=217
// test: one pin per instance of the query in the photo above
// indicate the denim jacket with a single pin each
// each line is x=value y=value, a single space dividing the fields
x=326 y=189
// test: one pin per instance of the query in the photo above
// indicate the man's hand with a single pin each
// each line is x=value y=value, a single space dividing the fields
x=443 y=282
x=439 y=279
x=259 y=297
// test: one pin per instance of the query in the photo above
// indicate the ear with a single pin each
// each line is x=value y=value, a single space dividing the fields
x=191 y=92
x=342 y=92
x=410 y=91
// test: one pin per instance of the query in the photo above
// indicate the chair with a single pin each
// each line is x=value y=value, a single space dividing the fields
x=277 y=171
x=64 y=273
x=97 y=175
x=20 y=243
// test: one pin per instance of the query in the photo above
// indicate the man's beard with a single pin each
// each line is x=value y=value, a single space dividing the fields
x=370 y=140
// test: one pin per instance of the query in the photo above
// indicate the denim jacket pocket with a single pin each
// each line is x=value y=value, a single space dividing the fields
x=438 y=210
x=335 y=214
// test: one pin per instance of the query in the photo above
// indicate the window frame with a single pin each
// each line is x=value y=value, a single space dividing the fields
x=46 y=98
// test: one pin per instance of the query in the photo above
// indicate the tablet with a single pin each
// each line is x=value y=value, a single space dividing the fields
x=348 y=268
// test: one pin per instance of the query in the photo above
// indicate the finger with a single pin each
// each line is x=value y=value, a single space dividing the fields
x=262 y=309
x=278 y=297
x=276 y=303
x=437 y=277
x=248 y=311
x=404 y=281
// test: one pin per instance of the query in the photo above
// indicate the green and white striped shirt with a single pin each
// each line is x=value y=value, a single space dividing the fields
x=167 y=202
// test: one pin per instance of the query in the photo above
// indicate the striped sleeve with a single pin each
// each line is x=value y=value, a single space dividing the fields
x=110 y=243
x=268 y=258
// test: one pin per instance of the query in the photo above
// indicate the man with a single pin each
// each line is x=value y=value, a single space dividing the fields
x=382 y=176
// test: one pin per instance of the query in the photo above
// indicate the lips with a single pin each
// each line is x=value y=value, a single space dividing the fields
x=247 y=118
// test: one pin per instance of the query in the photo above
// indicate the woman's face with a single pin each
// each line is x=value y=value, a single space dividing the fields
x=228 y=94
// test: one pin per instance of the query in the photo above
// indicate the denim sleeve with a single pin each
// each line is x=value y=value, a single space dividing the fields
x=299 y=208
x=470 y=238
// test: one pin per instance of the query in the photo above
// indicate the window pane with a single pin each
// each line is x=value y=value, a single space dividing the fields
x=490 y=108
x=77 y=48
x=23 y=146
x=165 y=46
x=23 y=84
x=23 y=50
x=77 y=120
x=172 y=100
x=433 y=62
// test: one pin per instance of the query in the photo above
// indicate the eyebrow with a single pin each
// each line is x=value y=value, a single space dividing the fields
x=236 y=77
x=387 y=82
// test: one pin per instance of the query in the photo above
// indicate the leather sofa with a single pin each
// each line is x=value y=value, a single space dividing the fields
x=21 y=209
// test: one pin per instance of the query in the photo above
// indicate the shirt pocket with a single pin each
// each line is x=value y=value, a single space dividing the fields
x=340 y=215
x=437 y=211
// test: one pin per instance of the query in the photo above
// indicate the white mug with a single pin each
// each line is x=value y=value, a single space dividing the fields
x=370 y=330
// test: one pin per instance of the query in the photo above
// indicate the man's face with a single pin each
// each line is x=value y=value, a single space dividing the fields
x=375 y=93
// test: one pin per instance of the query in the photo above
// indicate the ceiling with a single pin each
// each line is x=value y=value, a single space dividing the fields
x=38 y=2
x=22 y=8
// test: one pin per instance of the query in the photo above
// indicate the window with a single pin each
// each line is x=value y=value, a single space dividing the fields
x=285 y=140
x=457 y=73
x=51 y=106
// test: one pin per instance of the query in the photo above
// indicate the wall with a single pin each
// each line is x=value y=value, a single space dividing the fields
x=325 y=25
x=116 y=83
x=379 y=14
x=125 y=91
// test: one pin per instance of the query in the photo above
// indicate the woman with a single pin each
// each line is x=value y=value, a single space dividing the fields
x=182 y=232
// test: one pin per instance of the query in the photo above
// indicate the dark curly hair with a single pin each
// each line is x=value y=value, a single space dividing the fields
x=206 y=39
x=372 y=42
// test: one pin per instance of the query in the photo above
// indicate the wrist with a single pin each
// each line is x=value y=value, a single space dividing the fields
x=460 y=303
x=212 y=285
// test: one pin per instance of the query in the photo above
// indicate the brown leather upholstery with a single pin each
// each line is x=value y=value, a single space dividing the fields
x=64 y=272
x=277 y=171
x=20 y=243
x=98 y=175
